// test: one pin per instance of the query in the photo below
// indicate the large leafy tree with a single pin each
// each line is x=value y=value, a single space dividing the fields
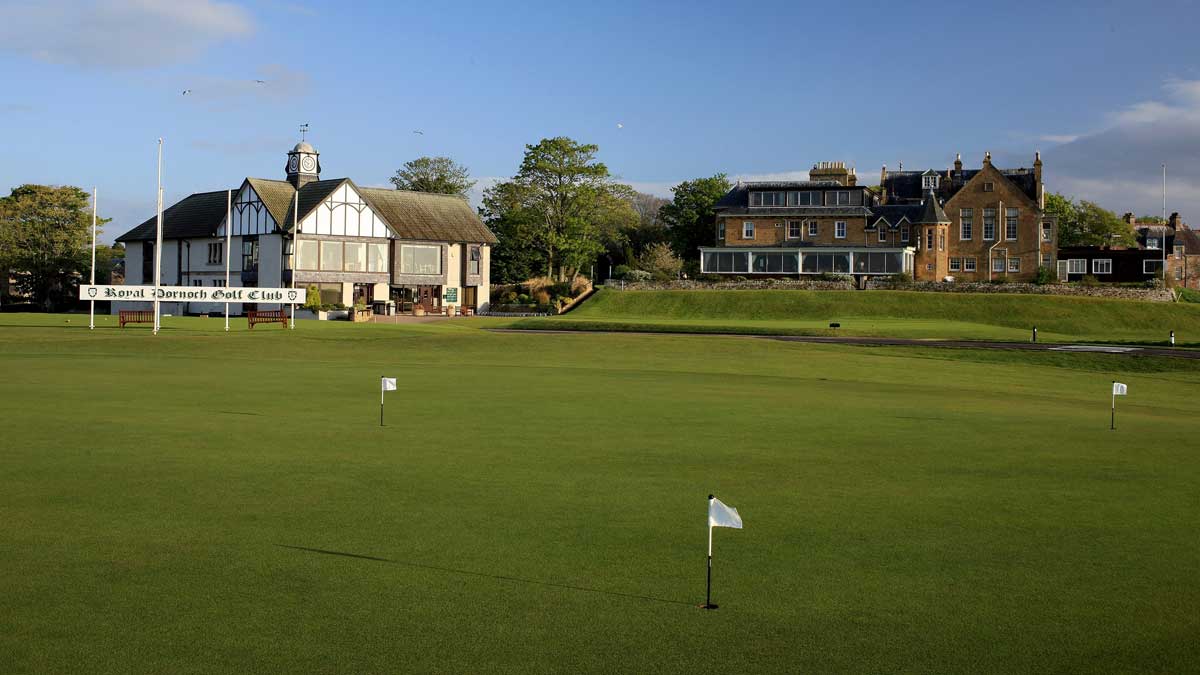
x=562 y=203
x=434 y=174
x=1085 y=223
x=690 y=218
x=45 y=241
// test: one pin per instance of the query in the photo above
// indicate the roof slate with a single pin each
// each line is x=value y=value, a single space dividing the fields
x=427 y=216
x=194 y=216
x=908 y=185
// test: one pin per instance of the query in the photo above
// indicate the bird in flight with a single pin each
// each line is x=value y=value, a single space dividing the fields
x=418 y=132
x=261 y=81
x=620 y=126
x=186 y=92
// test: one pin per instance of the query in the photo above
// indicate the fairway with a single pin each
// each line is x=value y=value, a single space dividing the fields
x=202 y=502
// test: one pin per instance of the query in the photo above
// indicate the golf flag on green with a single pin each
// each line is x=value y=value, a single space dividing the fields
x=385 y=384
x=719 y=515
x=1119 y=389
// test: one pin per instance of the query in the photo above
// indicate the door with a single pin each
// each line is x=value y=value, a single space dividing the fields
x=429 y=297
x=470 y=297
x=1062 y=270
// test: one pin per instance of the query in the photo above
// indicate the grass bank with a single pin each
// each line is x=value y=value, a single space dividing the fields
x=882 y=313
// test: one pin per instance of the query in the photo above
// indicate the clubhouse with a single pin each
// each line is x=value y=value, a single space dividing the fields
x=355 y=244
x=969 y=224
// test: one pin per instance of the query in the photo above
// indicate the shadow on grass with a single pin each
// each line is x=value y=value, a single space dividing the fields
x=500 y=577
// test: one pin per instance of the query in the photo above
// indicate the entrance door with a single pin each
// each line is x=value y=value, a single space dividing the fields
x=1062 y=270
x=429 y=297
x=470 y=297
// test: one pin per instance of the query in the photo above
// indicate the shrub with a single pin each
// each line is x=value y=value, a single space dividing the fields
x=580 y=285
x=901 y=279
x=998 y=281
x=830 y=276
x=638 y=275
x=508 y=297
x=660 y=262
x=541 y=297
x=620 y=271
x=523 y=299
x=1188 y=295
x=1044 y=276
x=710 y=277
x=1089 y=281
x=312 y=299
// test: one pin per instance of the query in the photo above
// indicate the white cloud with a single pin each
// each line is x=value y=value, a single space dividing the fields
x=1058 y=139
x=120 y=34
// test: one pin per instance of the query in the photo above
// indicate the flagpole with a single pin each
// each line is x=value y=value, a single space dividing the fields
x=708 y=585
x=1112 y=420
x=228 y=252
x=158 y=243
x=92 y=308
x=296 y=256
x=381 y=391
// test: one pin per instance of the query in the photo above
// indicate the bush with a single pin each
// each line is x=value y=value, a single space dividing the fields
x=710 y=277
x=831 y=276
x=523 y=299
x=901 y=279
x=998 y=280
x=541 y=297
x=660 y=261
x=1044 y=276
x=620 y=271
x=1188 y=295
x=312 y=299
x=1089 y=281
x=638 y=275
x=580 y=285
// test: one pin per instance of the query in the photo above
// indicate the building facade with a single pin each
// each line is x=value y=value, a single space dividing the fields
x=355 y=244
x=977 y=224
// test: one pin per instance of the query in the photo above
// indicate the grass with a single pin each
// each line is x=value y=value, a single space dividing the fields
x=906 y=314
x=201 y=502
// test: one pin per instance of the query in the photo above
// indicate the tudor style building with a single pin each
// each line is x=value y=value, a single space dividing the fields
x=976 y=224
x=355 y=244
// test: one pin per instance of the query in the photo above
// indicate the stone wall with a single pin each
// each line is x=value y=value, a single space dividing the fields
x=1118 y=292
x=753 y=284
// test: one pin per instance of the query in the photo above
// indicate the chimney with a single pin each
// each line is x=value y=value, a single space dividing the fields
x=883 y=185
x=1175 y=222
x=987 y=158
x=1129 y=219
x=958 y=163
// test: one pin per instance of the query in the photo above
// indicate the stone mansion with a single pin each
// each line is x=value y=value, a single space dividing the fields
x=966 y=224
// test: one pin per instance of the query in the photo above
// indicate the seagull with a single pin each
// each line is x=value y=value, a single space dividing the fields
x=418 y=132
x=620 y=126
x=186 y=92
x=261 y=81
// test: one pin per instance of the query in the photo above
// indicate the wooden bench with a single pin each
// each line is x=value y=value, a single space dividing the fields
x=266 y=316
x=135 y=316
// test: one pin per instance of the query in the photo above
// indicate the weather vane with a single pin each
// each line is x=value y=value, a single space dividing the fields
x=303 y=131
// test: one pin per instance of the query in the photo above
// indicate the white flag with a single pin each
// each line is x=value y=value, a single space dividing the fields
x=1119 y=389
x=720 y=515
x=389 y=384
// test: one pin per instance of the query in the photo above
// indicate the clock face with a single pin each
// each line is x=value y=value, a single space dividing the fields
x=293 y=163
x=308 y=164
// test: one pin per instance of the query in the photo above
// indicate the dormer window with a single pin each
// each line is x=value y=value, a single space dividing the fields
x=929 y=182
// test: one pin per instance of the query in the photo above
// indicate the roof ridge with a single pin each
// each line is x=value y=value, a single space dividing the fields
x=413 y=192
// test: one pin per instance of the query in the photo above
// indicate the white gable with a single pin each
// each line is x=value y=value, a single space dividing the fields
x=250 y=215
x=344 y=213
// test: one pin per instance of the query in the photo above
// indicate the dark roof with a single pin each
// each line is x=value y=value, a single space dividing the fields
x=931 y=211
x=907 y=184
x=196 y=215
x=428 y=216
x=1189 y=239
x=797 y=211
x=892 y=214
x=739 y=195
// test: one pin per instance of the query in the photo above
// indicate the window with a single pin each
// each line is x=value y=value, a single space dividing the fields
x=882 y=233
x=815 y=263
x=928 y=267
x=1011 y=216
x=904 y=234
x=420 y=259
x=997 y=264
x=813 y=228
x=966 y=219
x=197 y=282
x=793 y=229
x=721 y=231
x=1152 y=266
x=941 y=241
x=218 y=282
x=1179 y=253
x=1178 y=274
x=724 y=262
x=147 y=262
x=331 y=256
x=968 y=264
x=878 y=263
x=1076 y=266
x=249 y=255
x=989 y=224
x=1152 y=243
x=839 y=198
x=768 y=263
x=747 y=230
x=839 y=229
x=355 y=257
x=331 y=294
x=1047 y=260
x=377 y=257
x=929 y=239
x=1014 y=264
x=308 y=254
x=989 y=187
x=1047 y=232
x=473 y=257
x=929 y=182
x=807 y=198
x=955 y=264
x=214 y=253
x=768 y=198
x=1102 y=266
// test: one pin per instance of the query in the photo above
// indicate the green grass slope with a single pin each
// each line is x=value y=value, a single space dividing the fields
x=202 y=502
x=885 y=313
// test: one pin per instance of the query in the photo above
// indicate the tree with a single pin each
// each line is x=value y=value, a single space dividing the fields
x=562 y=204
x=434 y=174
x=513 y=259
x=45 y=240
x=1087 y=223
x=690 y=218
x=660 y=261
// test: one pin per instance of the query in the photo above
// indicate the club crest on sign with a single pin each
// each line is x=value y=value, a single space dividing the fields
x=291 y=295
x=91 y=292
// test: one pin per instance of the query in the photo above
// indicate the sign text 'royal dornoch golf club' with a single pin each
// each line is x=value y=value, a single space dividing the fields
x=283 y=296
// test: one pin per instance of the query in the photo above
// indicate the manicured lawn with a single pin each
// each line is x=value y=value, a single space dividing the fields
x=883 y=313
x=536 y=504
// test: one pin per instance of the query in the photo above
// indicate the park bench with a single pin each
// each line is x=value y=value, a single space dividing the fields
x=266 y=316
x=135 y=316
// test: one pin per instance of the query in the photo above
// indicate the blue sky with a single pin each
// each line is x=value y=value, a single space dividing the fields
x=1107 y=92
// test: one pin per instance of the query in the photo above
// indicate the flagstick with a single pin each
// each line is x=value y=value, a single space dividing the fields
x=1112 y=420
x=92 y=309
x=158 y=243
x=228 y=243
x=382 y=389
x=708 y=586
x=296 y=255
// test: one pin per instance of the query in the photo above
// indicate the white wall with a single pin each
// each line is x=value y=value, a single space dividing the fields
x=484 y=295
x=250 y=215
x=454 y=263
x=344 y=213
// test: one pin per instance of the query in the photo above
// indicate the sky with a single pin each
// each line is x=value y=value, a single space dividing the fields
x=1107 y=91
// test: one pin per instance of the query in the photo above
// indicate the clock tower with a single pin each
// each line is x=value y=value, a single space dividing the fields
x=303 y=165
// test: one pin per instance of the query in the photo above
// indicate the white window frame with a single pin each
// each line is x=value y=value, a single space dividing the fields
x=929 y=182
x=1156 y=263
x=956 y=264
x=814 y=228
x=1047 y=232
x=748 y=228
x=1096 y=267
x=1012 y=217
x=969 y=264
x=904 y=234
x=836 y=198
x=966 y=224
x=1014 y=265
x=1077 y=266
x=998 y=264
x=1153 y=243
x=799 y=229
x=839 y=229
x=985 y=225
x=883 y=234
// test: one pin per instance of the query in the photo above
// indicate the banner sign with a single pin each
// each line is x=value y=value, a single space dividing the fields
x=281 y=296
x=451 y=294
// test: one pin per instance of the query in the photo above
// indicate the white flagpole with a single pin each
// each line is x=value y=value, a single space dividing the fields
x=296 y=254
x=1112 y=420
x=228 y=252
x=382 y=389
x=92 y=309
x=158 y=243
x=708 y=585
